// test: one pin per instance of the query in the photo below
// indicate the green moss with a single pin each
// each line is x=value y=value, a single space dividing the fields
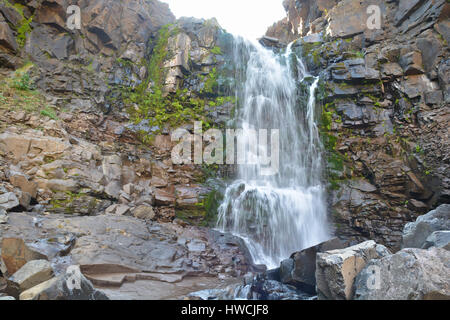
x=158 y=56
x=25 y=24
x=124 y=62
x=48 y=112
x=335 y=160
x=216 y=50
x=64 y=203
x=23 y=30
x=211 y=83
x=205 y=212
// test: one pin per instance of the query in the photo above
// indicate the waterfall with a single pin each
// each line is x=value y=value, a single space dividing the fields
x=286 y=212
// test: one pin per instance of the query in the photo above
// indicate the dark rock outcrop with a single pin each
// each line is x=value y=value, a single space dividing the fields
x=300 y=269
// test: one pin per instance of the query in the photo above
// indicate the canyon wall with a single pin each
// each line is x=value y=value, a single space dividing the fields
x=385 y=97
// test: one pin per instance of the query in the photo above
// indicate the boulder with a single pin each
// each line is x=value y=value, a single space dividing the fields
x=336 y=270
x=118 y=209
x=31 y=274
x=439 y=239
x=113 y=189
x=21 y=181
x=411 y=274
x=8 y=201
x=16 y=253
x=70 y=286
x=415 y=234
x=144 y=212
x=15 y=144
x=300 y=269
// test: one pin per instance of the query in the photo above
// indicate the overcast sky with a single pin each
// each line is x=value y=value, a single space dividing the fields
x=248 y=18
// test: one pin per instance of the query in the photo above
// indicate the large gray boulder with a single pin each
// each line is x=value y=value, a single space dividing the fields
x=416 y=233
x=411 y=274
x=336 y=270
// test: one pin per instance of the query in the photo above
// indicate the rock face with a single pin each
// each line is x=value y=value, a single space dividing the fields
x=385 y=116
x=300 y=269
x=336 y=270
x=114 y=31
x=411 y=274
x=415 y=234
x=300 y=16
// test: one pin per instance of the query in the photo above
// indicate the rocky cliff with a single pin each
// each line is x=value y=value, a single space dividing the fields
x=84 y=133
x=385 y=97
x=86 y=175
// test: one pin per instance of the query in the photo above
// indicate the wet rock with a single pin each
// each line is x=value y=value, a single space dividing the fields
x=411 y=274
x=439 y=239
x=300 y=269
x=270 y=42
x=16 y=253
x=416 y=233
x=336 y=270
x=261 y=288
x=31 y=274
x=72 y=285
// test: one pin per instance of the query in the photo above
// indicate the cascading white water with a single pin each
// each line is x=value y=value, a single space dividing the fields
x=280 y=214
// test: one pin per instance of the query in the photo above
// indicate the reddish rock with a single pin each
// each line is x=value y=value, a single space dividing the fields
x=16 y=253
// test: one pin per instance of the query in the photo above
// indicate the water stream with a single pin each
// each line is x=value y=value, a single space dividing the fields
x=277 y=214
